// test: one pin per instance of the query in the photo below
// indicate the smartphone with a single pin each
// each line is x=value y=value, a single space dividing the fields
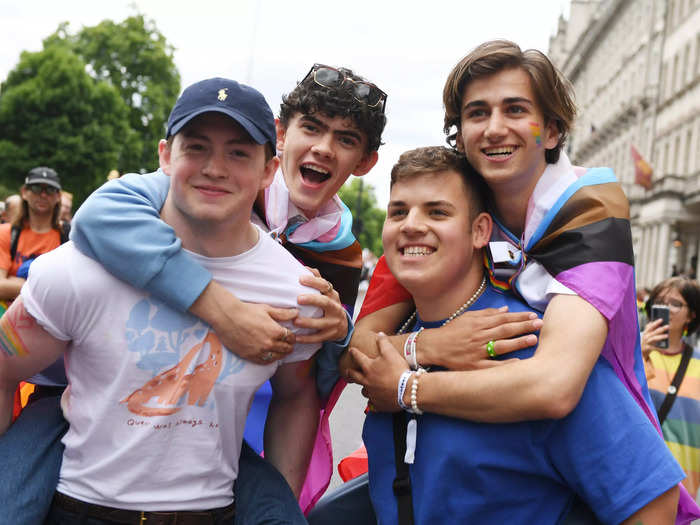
x=659 y=311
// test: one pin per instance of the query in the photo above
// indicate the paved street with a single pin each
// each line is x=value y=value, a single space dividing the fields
x=348 y=416
x=346 y=422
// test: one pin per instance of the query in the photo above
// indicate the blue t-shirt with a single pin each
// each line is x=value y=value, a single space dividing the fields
x=606 y=451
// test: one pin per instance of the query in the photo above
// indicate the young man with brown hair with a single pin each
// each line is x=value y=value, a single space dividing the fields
x=329 y=127
x=156 y=404
x=561 y=240
x=525 y=472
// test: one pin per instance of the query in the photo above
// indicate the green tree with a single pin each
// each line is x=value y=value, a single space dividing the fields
x=367 y=218
x=53 y=113
x=135 y=58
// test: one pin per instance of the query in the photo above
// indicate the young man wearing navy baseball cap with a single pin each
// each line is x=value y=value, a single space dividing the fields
x=329 y=127
x=156 y=404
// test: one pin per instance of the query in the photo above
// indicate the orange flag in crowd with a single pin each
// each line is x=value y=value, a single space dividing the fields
x=642 y=170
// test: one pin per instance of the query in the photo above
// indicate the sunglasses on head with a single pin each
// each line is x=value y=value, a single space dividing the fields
x=38 y=188
x=362 y=91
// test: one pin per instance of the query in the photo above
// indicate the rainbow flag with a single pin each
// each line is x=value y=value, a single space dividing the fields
x=682 y=426
x=10 y=342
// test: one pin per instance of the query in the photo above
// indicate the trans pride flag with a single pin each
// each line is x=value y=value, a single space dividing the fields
x=337 y=255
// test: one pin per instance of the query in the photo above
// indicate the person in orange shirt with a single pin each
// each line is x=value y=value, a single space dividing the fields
x=36 y=229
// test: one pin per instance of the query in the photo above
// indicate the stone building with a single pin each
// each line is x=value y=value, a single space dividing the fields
x=635 y=67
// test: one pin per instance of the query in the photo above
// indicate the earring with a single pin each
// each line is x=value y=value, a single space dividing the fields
x=685 y=331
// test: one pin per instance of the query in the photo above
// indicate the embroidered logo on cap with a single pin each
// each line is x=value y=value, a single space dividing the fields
x=222 y=94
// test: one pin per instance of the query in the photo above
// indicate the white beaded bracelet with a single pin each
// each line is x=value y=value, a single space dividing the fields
x=414 y=392
x=401 y=390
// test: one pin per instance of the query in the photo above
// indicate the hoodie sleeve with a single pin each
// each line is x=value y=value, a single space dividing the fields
x=119 y=225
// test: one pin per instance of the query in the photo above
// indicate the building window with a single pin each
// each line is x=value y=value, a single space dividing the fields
x=686 y=157
x=674 y=75
x=671 y=13
x=645 y=136
x=697 y=146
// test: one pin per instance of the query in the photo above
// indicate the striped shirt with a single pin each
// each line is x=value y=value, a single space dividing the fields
x=682 y=426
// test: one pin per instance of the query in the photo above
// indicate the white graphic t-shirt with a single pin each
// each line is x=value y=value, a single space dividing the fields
x=156 y=405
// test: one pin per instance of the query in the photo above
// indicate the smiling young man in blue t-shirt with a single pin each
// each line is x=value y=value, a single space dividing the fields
x=605 y=452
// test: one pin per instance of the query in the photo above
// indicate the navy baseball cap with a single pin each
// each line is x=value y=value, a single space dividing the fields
x=242 y=103
x=43 y=175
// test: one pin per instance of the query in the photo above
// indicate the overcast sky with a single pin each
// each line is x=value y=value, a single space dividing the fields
x=405 y=47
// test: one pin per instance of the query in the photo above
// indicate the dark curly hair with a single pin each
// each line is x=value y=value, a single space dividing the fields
x=309 y=98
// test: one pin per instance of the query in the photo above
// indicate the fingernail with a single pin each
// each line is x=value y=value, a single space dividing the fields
x=381 y=333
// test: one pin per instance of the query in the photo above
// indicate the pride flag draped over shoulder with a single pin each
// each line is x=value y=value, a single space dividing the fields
x=330 y=247
x=340 y=266
x=577 y=238
x=324 y=242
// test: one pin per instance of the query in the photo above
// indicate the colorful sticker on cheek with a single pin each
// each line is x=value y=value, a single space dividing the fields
x=11 y=323
x=535 y=128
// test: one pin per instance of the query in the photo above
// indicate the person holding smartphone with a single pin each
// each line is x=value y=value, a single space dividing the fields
x=673 y=369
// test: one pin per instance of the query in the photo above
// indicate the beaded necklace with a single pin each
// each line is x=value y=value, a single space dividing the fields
x=457 y=312
x=412 y=425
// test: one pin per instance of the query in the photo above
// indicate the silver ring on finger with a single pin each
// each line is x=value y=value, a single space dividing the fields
x=267 y=356
x=285 y=337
